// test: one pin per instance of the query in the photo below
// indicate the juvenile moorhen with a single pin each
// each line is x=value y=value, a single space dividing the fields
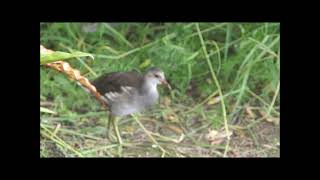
x=129 y=92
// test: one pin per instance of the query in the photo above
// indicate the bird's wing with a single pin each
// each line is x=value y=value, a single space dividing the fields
x=115 y=81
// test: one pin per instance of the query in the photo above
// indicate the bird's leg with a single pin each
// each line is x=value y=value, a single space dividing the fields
x=109 y=127
x=115 y=127
x=112 y=119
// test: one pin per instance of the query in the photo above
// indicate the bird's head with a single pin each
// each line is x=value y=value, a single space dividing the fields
x=156 y=76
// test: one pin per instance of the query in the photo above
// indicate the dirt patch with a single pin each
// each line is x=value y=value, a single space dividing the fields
x=262 y=140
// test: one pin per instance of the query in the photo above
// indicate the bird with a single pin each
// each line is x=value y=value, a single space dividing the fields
x=129 y=92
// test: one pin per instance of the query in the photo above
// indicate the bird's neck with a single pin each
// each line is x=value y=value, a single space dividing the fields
x=149 y=87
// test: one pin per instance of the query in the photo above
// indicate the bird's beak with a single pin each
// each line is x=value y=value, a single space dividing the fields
x=164 y=82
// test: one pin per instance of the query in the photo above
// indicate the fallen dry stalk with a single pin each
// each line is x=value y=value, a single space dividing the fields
x=74 y=74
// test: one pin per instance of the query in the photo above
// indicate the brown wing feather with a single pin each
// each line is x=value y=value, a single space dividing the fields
x=112 y=82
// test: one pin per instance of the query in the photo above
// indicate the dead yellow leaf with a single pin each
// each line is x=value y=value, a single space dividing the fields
x=262 y=113
x=217 y=137
x=211 y=135
x=250 y=112
x=171 y=117
x=275 y=120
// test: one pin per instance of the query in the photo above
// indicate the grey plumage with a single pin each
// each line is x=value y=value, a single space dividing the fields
x=129 y=92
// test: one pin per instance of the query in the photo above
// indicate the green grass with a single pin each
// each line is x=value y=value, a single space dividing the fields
x=237 y=61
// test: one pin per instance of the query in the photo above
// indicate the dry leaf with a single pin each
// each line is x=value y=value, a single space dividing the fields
x=217 y=137
x=250 y=113
x=73 y=74
x=171 y=117
x=211 y=135
x=275 y=120
x=262 y=113
x=267 y=146
x=269 y=118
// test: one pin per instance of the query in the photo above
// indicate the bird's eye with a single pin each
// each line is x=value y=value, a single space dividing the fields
x=156 y=75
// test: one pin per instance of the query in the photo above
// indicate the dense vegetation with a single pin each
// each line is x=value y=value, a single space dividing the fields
x=244 y=58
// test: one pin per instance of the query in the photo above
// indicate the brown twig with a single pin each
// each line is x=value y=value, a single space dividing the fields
x=74 y=74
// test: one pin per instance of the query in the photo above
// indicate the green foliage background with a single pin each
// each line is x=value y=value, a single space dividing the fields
x=244 y=56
